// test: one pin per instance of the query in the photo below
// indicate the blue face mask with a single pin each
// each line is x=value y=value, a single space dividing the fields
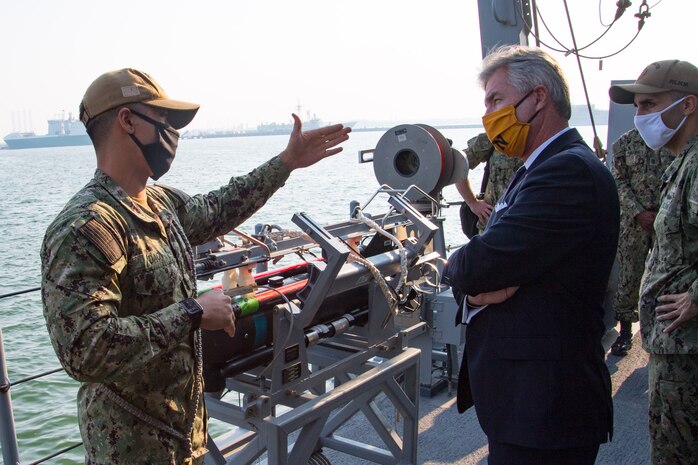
x=159 y=154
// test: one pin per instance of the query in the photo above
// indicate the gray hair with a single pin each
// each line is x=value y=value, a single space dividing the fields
x=529 y=67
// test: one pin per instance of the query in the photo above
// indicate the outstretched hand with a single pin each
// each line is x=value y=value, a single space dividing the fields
x=306 y=148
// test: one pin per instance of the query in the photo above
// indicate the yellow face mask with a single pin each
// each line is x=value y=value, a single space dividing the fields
x=505 y=131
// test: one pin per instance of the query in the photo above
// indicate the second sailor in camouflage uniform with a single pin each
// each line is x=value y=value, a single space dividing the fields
x=638 y=171
x=501 y=170
x=118 y=279
x=666 y=96
x=672 y=269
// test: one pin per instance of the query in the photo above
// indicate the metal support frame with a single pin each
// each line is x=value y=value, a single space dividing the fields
x=315 y=422
x=320 y=283
x=429 y=353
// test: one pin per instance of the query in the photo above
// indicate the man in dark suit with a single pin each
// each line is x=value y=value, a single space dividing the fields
x=534 y=281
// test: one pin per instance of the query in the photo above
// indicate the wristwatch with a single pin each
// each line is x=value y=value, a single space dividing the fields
x=194 y=311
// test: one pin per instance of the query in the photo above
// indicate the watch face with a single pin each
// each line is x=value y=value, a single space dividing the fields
x=194 y=311
x=193 y=307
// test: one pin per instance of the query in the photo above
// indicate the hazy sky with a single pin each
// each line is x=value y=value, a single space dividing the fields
x=253 y=61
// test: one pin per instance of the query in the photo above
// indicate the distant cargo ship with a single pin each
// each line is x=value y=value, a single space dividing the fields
x=62 y=132
x=264 y=129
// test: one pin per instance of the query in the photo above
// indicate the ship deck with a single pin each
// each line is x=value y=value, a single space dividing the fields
x=446 y=437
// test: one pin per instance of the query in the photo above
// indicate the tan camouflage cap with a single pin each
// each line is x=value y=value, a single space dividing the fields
x=128 y=85
x=661 y=76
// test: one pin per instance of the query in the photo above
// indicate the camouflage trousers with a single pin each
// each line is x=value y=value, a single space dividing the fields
x=673 y=409
x=633 y=246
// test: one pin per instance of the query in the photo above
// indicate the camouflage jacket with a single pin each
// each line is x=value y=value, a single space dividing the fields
x=113 y=277
x=638 y=171
x=672 y=265
x=502 y=168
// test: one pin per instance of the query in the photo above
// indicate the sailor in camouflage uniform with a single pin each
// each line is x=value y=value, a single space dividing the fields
x=637 y=170
x=501 y=170
x=666 y=95
x=118 y=279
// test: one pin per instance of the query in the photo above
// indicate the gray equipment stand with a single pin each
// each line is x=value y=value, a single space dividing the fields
x=315 y=420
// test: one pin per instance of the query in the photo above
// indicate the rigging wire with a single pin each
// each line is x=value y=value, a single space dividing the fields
x=534 y=15
x=601 y=18
x=642 y=15
x=56 y=454
x=545 y=25
x=567 y=51
x=25 y=291
x=599 y=37
x=597 y=142
x=610 y=55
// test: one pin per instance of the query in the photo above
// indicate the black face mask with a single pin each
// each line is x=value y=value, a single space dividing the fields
x=159 y=154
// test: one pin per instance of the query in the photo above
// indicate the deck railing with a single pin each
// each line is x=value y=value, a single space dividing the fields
x=8 y=433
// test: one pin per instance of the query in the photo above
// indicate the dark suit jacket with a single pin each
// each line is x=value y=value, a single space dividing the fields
x=535 y=362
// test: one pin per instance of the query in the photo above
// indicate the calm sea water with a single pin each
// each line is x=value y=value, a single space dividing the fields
x=36 y=183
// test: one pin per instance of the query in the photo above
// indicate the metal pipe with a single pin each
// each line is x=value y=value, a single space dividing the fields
x=25 y=291
x=8 y=435
x=56 y=454
x=40 y=375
